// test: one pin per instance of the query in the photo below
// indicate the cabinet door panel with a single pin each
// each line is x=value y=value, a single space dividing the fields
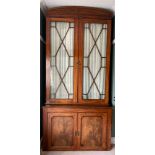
x=61 y=129
x=92 y=128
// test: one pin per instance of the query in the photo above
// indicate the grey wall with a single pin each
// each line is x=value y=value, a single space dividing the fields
x=112 y=79
x=42 y=65
x=113 y=88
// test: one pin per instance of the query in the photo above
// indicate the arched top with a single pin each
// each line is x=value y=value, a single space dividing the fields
x=80 y=11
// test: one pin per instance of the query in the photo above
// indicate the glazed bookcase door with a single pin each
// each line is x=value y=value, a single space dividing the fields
x=93 y=131
x=94 y=60
x=61 y=71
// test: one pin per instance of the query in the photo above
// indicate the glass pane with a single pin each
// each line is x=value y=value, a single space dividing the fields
x=62 y=60
x=95 y=40
x=88 y=81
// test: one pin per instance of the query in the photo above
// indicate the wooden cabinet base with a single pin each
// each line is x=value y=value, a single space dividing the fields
x=76 y=128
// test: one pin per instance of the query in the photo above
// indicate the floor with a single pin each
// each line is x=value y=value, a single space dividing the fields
x=112 y=152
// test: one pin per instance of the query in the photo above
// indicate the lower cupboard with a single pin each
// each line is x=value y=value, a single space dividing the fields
x=71 y=128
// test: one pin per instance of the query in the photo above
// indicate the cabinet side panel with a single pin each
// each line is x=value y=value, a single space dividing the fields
x=44 y=143
x=109 y=129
